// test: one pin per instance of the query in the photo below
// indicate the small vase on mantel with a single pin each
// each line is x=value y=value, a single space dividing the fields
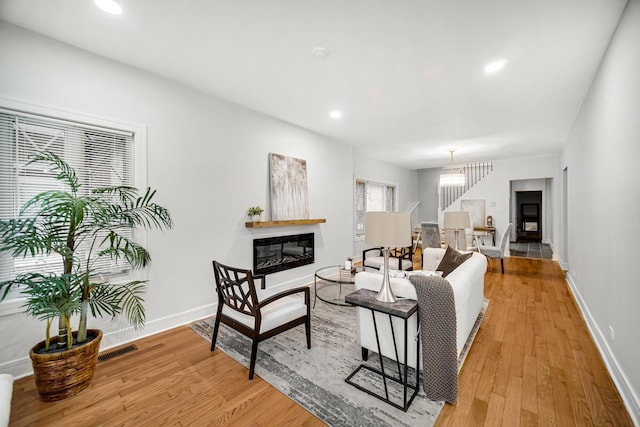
x=255 y=213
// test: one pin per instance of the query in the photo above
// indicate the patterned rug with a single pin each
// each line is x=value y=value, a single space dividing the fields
x=315 y=378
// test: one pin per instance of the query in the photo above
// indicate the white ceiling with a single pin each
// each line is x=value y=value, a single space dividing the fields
x=407 y=75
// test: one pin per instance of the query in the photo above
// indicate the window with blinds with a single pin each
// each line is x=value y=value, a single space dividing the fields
x=371 y=196
x=101 y=157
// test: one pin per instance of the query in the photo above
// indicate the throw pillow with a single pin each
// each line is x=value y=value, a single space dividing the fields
x=451 y=260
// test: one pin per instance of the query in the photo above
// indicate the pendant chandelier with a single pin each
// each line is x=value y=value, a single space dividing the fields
x=452 y=179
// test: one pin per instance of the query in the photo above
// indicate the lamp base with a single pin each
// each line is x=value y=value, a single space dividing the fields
x=385 y=294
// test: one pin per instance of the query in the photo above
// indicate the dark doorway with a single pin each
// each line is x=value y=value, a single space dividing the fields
x=529 y=216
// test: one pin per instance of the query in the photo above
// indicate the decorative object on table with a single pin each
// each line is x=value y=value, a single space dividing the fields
x=255 y=213
x=85 y=228
x=456 y=221
x=387 y=230
x=489 y=221
x=454 y=178
x=289 y=194
x=315 y=378
x=348 y=263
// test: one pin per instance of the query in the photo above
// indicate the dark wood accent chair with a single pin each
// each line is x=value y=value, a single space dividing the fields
x=399 y=258
x=257 y=313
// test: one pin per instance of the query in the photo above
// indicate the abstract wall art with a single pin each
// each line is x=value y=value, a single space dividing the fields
x=289 y=194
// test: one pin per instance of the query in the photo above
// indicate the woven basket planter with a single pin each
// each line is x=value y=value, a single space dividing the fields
x=66 y=373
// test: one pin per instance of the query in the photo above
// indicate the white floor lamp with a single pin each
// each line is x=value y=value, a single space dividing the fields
x=388 y=230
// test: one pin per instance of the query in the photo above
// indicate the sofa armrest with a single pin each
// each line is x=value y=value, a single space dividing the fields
x=6 y=390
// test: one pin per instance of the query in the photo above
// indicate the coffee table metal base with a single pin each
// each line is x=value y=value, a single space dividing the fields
x=331 y=284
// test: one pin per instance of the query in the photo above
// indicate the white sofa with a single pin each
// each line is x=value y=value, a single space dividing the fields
x=467 y=282
x=6 y=390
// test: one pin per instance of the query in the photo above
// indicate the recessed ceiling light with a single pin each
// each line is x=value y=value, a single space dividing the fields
x=109 y=6
x=320 y=52
x=335 y=114
x=494 y=66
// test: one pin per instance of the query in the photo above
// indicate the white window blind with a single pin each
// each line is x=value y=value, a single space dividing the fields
x=371 y=196
x=101 y=157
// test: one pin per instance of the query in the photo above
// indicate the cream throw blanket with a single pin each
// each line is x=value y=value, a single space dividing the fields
x=437 y=309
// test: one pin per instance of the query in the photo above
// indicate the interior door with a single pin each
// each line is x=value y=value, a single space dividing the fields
x=529 y=226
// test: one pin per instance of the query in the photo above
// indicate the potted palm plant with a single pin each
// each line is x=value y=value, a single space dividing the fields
x=82 y=230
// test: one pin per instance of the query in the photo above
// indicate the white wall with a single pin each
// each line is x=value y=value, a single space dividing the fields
x=207 y=158
x=369 y=169
x=604 y=207
x=428 y=182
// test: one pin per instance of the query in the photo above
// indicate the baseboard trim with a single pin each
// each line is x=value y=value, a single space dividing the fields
x=631 y=401
x=22 y=367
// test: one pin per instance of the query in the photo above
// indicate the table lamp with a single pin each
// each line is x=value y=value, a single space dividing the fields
x=387 y=230
x=456 y=221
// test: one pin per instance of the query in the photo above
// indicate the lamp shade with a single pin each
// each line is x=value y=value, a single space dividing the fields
x=457 y=220
x=452 y=180
x=388 y=229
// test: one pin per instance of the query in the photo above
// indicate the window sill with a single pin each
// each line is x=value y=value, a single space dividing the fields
x=12 y=306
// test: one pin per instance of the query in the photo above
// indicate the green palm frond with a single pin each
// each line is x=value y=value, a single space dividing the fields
x=66 y=173
x=119 y=246
x=49 y=295
x=113 y=299
x=24 y=237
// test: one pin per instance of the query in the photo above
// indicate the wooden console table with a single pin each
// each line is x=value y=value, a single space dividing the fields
x=488 y=231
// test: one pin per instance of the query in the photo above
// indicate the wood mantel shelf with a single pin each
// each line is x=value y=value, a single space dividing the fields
x=284 y=223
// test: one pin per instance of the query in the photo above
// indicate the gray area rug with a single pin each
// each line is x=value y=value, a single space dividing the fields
x=315 y=378
x=531 y=250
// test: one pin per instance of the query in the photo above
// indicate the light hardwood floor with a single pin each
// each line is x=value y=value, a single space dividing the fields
x=533 y=363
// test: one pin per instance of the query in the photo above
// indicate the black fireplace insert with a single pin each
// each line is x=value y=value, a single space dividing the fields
x=279 y=253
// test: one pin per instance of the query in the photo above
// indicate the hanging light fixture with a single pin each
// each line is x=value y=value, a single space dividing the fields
x=452 y=179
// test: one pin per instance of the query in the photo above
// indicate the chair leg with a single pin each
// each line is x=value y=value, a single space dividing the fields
x=254 y=354
x=502 y=264
x=365 y=353
x=307 y=329
x=216 y=328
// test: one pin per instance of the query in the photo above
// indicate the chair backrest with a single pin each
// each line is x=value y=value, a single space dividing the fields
x=505 y=238
x=430 y=235
x=403 y=252
x=236 y=288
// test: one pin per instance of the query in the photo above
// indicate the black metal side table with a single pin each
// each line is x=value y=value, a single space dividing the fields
x=404 y=309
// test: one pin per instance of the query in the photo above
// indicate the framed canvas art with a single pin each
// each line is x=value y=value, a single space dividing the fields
x=475 y=207
x=288 y=181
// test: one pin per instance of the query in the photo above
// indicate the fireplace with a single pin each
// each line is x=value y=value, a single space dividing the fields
x=279 y=253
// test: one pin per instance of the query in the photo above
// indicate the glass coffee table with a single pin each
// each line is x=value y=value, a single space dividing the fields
x=332 y=283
